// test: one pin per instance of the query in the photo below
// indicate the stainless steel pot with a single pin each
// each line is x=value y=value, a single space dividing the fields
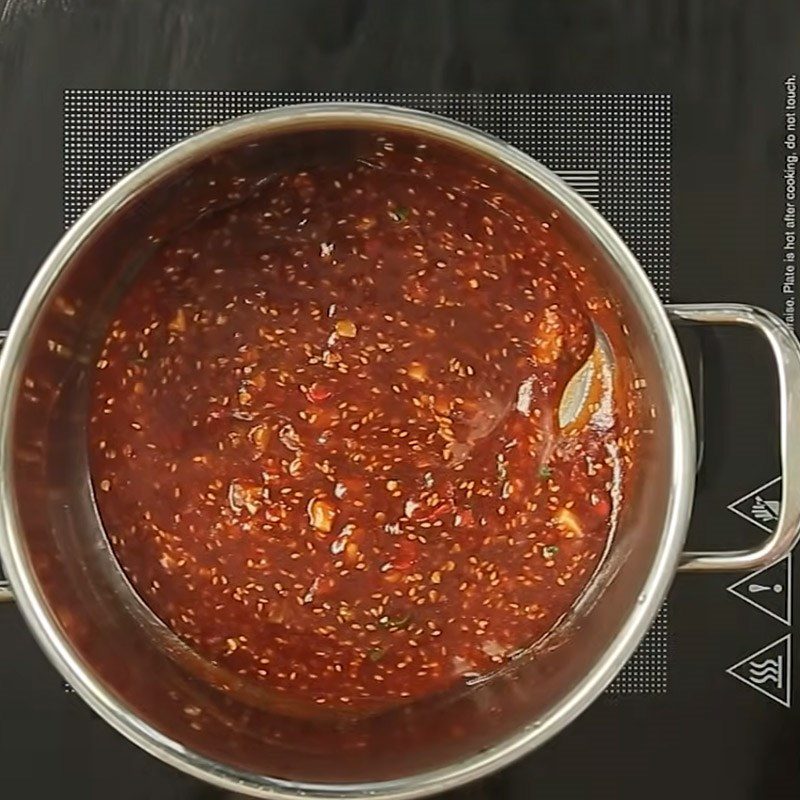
x=133 y=673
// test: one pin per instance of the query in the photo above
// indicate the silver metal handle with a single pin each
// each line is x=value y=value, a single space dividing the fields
x=786 y=350
x=5 y=591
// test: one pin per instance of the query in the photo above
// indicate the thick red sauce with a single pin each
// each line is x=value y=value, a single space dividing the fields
x=325 y=440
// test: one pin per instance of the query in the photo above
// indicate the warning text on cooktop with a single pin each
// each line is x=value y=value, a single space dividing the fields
x=790 y=196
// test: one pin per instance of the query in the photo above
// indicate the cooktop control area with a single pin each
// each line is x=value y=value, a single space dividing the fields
x=680 y=128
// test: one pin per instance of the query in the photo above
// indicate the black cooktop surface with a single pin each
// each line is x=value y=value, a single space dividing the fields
x=706 y=709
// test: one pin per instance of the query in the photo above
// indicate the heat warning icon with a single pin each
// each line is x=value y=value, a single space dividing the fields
x=768 y=670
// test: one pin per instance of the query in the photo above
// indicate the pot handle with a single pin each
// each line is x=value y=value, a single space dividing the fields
x=5 y=591
x=786 y=350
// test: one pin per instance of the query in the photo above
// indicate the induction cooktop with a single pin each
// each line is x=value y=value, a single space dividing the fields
x=678 y=125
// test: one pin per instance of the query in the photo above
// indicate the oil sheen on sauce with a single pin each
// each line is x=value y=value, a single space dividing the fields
x=325 y=436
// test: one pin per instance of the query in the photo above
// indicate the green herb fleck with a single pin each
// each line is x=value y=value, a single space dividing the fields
x=395 y=623
x=545 y=471
x=549 y=551
x=399 y=213
x=376 y=653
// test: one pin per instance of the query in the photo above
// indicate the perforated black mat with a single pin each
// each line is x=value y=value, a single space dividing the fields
x=614 y=149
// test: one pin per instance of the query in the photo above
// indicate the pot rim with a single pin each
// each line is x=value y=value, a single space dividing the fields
x=56 y=645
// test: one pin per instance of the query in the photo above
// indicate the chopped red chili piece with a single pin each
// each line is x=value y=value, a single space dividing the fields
x=423 y=511
x=317 y=392
x=601 y=505
x=464 y=518
x=407 y=554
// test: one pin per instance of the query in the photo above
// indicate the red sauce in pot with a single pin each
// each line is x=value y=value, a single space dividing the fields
x=325 y=438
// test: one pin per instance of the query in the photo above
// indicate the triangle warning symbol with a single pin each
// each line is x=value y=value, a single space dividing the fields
x=769 y=590
x=762 y=506
x=768 y=670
